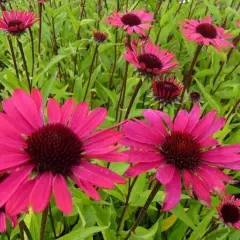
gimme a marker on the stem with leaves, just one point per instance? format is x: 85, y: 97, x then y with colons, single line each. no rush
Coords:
x: 40, y: 28
x: 91, y: 71
x: 144, y: 209
x: 25, y: 64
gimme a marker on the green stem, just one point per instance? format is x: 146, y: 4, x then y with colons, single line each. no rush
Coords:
x: 144, y: 209
x: 24, y: 227
x: 33, y: 61
x: 91, y: 72
x: 43, y: 223
x: 25, y: 64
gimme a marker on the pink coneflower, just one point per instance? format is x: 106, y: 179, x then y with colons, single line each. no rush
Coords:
x: 99, y: 37
x: 16, y: 22
x: 206, y: 33
x: 46, y: 154
x: 166, y: 90
x: 184, y: 148
x: 149, y: 59
x: 134, y: 21
x: 229, y: 211
x: 4, y: 216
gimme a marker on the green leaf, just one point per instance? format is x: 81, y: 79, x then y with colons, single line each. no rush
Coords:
x: 201, y: 228
x: 181, y: 214
x: 219, y: 234
x: 82, y: 233
x: 86, y: 22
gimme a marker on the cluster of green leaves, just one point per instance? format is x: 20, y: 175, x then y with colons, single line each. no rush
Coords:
x: 64, y: 73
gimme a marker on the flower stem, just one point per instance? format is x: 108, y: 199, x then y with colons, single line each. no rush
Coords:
x: 133, y: 98
x: 31, y: 36
x: 127, y: 202
x: 52, y: 222
x: 43, y: 223
x: 144, y: 209
x: 24, y: 227
x: 25, y: 64
x: 179, y: 8
x: 40, y: 28
x: 21, y: 232
x: 13, y: 56
x: 233, y: 109
x: 91, y: 71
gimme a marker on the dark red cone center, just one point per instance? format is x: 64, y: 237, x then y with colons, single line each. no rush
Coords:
x: 55, y: 148
x: 15, y: 23
x: 207, y: 30
x: 150, y: 60
x: 131, y: 19
x: 230, y: 213
x: 181, y: 150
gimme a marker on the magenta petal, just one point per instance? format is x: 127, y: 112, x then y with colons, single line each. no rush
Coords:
x: 27, y: 107
x: 136, y: 156
x: 187, y: 181
x: 53, y: 111
x: 13, y: 160
x: 9, y: 186
x: 154, y: 118
x: 173, y: 192
x: 141, y: 168
x: 62, y: 195
x: 93, y: 120
x: 3, y: 222
x: 20, y: 199
x: 200, y: 190
x: 203, y: 124
x: 103, y: 171
x: 37, y: 98
x: 66, y: 111
x: 87, y: 188
x: 41, y: 192
x: 193, y: 118
x: 181, y: 121
x: 111, y: 157
x: 165, y: 173
x: 86, y: 175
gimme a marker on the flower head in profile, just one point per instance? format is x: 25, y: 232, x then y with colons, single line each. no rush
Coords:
x: 149, y: 59
x: 229, y: 211
x: 4, y: 215
x: 181, y: 149
x: 205, y: 32
x: 99, y: 37
x: 195, y: 97
x: 16, y: 22
x: 45, y: 153
x: 133, y: 21
x: 166, y: 90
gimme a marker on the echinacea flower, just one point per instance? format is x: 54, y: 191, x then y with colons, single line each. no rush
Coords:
x: 183, y: 147
x: 133, y: 21
x: 4, y: 216
x: 229, y: 211
x: 99, y: 37
x: 204, y: 32
x: 16, y: 22
x: 149, y: 59
x: 44, y: 155
x: 166, y: 90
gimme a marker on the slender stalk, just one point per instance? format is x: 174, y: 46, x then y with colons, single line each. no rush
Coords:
x: 233, y: 109
x: 233, y: 70
x: 91, y: 71
x: 179, y: 8
x: 52, y: 222
x: 114, y: 61
x: 33, y: 60
x: 24, y: 64
x: 188, y: 76
x: 24, y: 227
x: 133, y: 98
x: 144, y: 209
x: 155, y: 15
x: 126, y: 203
x: 218, y: 73
x: 190, y: 10
x: 43, y: 223
x: 21, y: 232
x: 13, y: 56
x: 81, y: 16
x: 40, y: 28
